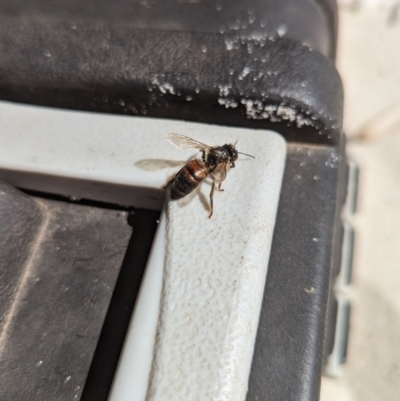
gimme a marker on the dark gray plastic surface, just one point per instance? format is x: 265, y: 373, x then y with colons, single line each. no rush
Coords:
x: 308, y: 21
x: 281, y: 85
x: 289, y: 349
x: 58, y: 264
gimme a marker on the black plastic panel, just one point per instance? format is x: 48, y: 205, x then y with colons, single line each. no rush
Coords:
x: 59, y: 263
x: 94, y: 57
x: 307, y: 21
x: 105, y: 360
x: 288, y: 355
x: 280, y: 84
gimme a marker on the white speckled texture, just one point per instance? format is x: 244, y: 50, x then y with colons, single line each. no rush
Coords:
x: 214, y: 276
x: 214, y: 269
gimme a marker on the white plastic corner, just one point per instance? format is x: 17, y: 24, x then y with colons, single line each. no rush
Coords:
x: 192, y: 333
x: 212, y: 281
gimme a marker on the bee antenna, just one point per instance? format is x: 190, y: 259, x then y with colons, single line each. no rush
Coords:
x: 246, y: 154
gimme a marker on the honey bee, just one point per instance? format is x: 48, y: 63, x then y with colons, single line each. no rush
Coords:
x: 215, y: 162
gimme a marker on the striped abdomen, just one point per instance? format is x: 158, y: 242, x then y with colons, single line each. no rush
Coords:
x: 188, y: 178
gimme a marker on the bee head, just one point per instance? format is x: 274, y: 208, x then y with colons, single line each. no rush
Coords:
x: 233, y: 154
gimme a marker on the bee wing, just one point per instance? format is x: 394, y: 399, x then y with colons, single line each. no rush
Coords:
x: 184, y: 142
x: 219, y: 174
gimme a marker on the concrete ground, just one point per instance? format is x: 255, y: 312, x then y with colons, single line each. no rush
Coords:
x: 369, y: 63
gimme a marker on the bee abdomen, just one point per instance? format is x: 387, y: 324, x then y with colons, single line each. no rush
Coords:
x: 188, y: 178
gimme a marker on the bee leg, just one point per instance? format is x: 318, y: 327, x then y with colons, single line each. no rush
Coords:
x: 211, y: 199
x: 169, y: 182
x: 219, y: 187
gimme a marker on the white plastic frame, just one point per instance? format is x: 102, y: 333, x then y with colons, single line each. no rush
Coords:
x: 194, y: 324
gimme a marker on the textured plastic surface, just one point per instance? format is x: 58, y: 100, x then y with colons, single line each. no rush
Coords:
x: 94, y: 156
x: 230, y: 250
x: 132, y: 376
x: 267, y: 82
x: 105, y: 360
x: 84, y: 155
x: 228, y: 17
x: 21, y: 218
x: 214, y: 280
x: 58, y: 265
x: 288, y: 355
x: 213, y: 283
